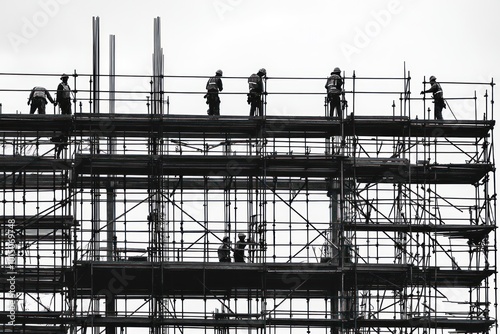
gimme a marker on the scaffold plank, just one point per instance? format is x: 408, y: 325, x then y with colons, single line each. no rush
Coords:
x: 22, y: 328
x: 41, y: 221
x: 472, y: 232
x: 34, y: 280
x: 190, y: 126
x: 196, y: 279
x: 458, y: 324
x: 18, y: 164
x: 364, y: 170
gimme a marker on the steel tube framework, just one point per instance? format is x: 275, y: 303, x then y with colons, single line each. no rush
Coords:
x: 369, y: 224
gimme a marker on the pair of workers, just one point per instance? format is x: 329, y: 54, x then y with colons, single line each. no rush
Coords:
x: 256, y: 90
x: 224, y: 251
x: 38, y: 100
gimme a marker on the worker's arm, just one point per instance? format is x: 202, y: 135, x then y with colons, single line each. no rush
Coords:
x: 341, y: 83
x: 219, y: 84
x: 59, y: 93
x: 49, y: 97
x: 31, y: 96
x: 434, y: 88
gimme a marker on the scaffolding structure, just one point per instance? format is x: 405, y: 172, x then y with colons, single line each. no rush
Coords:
x: 374, y: 223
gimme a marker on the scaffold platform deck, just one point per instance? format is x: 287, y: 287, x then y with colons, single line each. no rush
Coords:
x: 219, y: 279
x: 188, y: 126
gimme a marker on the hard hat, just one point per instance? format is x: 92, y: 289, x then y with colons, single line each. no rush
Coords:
x: 226, y: 239
x: 336, y: 70
x: 218, y: 72
x: 432, y: 78
x: 64, y: 76
x: 241, y: 235
x: 263, y: 71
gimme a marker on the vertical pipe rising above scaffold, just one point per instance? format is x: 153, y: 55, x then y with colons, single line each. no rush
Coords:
x: 157, y: 98
x: 110, y: 190
x: 95, y: 64
x: 112, y: 72
x: 110, y: 194
x: 94, y: 149
x: 155, y: 190
x: 95, y: 140
x: 94, y: 145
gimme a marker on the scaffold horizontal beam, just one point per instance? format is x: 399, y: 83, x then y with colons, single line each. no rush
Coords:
x: 186, y: 126
x: 365, y: 170
x: 217, y: 279
x: 474, y: 232
x: 34, y: 222
x: 35, y: 181
x: 40, y: 181
x: 22, y: 328
x: 34, y: 279
x: 458, y: 324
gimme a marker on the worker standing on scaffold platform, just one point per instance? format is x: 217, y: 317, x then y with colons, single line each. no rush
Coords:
x: 63, y: 97
x: 239, y: 251
x: 38, y: 99
x: 334, y: 91
x: 224, y: 251
x: 437, y: 94
x: 256, y: 90
x: 214, y: 86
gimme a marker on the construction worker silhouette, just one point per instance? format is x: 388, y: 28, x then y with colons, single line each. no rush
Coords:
x: 38, y: 99
x: 214, y: 86
x: 437, y: 94
x: 63, y: 97
x: 224, y: 251
x: 256, y: 90
x: 60, y: 142
x: 239, y: 251
x: 334, y: 91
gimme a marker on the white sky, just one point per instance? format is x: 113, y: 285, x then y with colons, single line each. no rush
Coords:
x: 453, y: 40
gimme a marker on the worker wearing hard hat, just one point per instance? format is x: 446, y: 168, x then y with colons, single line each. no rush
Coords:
x: 256, y: 90
x: 214, y: 86
x: 239, y: 251
x: 224, y: 251
x: 63, y: 97
x: 334, y: 91
x: 437, y: 94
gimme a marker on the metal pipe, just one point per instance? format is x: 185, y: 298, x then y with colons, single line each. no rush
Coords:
x: 110, y: 191
x: 95, y: 192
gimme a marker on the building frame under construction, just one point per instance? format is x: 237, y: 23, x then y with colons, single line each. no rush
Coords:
x: 371, y: 223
